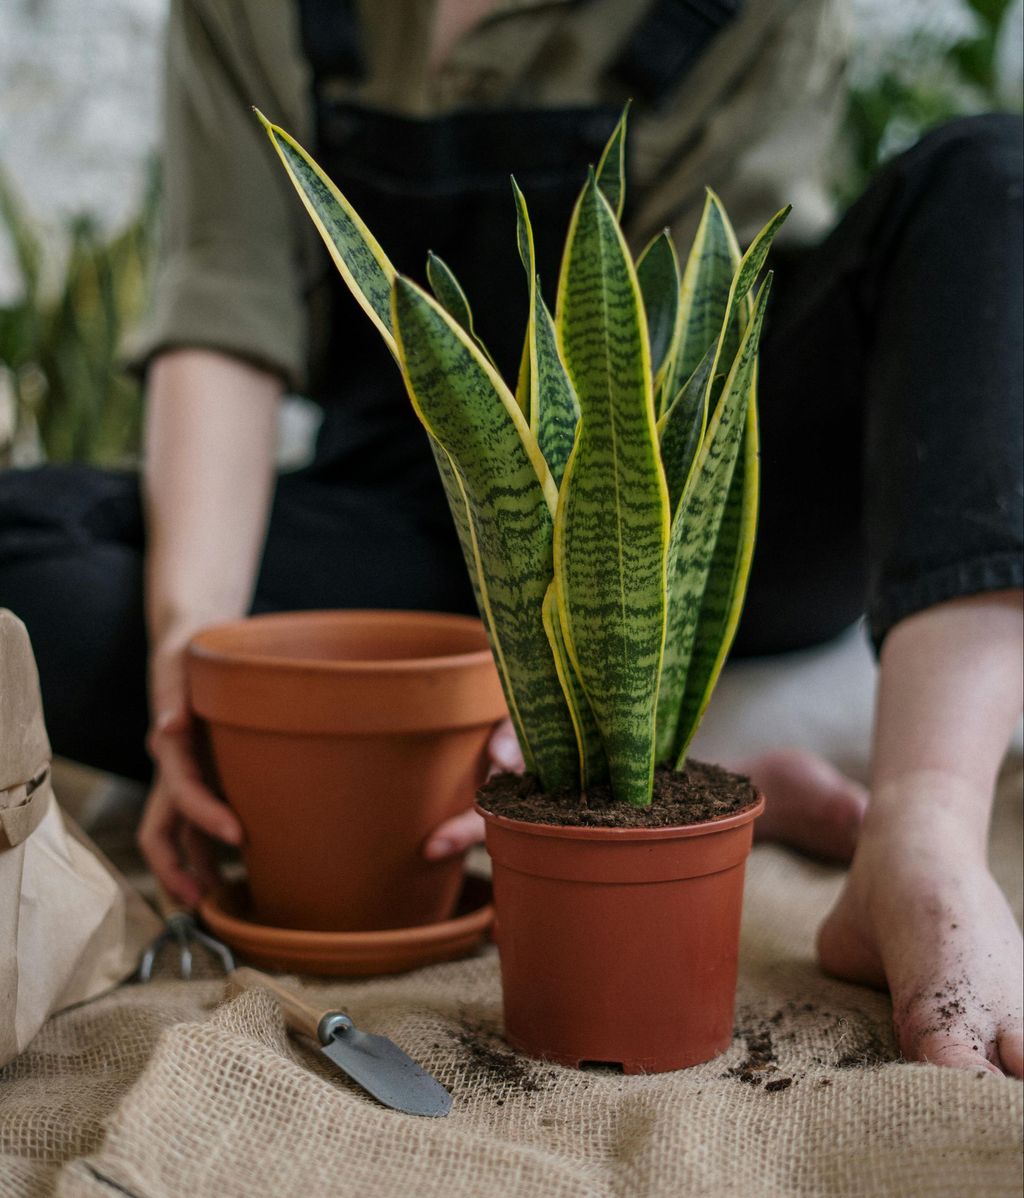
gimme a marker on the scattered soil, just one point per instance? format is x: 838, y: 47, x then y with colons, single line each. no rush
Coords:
x: 491, y: 1065
x: 760, y: 1059
x: 865, y: 1049
x: 861, y: 1046
x: 956, y: 999
x: 692, y: 795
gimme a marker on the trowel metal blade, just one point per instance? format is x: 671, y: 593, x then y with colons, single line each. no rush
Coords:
x: 385, y: 1071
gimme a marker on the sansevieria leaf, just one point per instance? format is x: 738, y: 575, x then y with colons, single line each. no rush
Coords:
x: 681, y: 430
x: 362, y: 263
x: 553, y: 407
x: 593, y: 761
x: 449, y: 294
x: 611, y: 529
x: 611, y: 167
x: 657, y: 269
x: 704, y: 294
x: 695, y: 532
x: 509, y: 495
x: 726, y: 586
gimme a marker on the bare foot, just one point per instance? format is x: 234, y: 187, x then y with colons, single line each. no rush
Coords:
x: 923, y: 917
x: 810, y: 805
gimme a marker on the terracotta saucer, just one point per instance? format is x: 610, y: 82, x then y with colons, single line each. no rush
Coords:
x: 349, y: 954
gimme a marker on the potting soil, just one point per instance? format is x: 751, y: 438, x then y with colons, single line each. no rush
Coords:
x: 171, y: 1091
x: 692, y: 795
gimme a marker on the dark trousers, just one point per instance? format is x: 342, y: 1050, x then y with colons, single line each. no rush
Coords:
x: 891, y: 402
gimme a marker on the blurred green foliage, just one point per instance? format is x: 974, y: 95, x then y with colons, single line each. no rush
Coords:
x: 921, y: 87
x: 59, y: 345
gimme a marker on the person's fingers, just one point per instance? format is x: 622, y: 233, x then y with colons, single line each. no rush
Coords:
x: 199, y: 857
x: 454, y: 836
x: 195, y: 802
x: 156, y: 838
x: 504, y: 749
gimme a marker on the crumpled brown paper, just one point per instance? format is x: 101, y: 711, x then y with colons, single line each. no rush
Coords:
x: 69, y: 926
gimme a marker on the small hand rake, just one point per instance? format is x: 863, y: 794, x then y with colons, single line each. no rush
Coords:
x: 373, y: 1062
x: 180, y: 928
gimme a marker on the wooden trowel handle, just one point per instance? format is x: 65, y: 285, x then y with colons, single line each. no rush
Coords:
x: 298, y: 1014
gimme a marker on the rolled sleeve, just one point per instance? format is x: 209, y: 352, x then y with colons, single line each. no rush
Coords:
x: 233, y: 254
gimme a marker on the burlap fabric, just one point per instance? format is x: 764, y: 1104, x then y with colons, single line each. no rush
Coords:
x: 166, y: 1091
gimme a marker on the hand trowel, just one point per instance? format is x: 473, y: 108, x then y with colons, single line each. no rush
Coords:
x: 373, y: 1062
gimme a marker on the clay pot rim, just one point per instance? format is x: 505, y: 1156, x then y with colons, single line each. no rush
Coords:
x: 200, y: 645
x: 673, y: 832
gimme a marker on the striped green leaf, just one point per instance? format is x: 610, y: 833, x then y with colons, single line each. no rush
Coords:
x: 694, y: 576
x: 509, y: 496
x: 611, y: 529
x: 362, y: 263
x: 523, y: 381
x: 704, y: 294
x: 449, y: 294
x: 657, y: 269
x: 611, y: 168
x: 726, y: 588
x: 593, y: 761
x: 681, y: 430
x: 553, y: 407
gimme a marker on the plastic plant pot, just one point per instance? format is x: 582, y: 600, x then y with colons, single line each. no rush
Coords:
x: 619, y: 946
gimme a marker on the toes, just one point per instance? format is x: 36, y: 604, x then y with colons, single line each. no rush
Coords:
x: 1011, y: 1052
x: 965, y: 1053
x: 926, y: 1032
x: 811, y: 805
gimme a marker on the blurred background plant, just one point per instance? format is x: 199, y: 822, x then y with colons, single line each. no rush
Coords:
x: 917, y: 63
x: 78, y: 125
x: 68, y: 396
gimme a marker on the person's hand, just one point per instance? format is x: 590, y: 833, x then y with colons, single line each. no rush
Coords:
x: 182, y: 813
x: 456, y: 835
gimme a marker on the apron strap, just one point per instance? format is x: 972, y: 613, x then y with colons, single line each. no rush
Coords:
x: 661, y: 50
x: 330, y: 38
x: 667, y: 43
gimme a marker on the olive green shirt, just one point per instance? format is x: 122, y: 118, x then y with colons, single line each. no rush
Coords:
x: 754, y: 119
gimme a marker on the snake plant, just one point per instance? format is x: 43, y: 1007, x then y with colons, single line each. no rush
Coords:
x: 606, y: 506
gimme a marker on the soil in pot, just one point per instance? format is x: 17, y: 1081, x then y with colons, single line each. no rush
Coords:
x: 697, y: 793
x: 619, y: 928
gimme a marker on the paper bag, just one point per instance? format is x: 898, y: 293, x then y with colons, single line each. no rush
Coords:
x: 70, y: 928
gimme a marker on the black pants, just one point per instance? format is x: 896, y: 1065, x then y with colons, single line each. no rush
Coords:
x: 891, y: 401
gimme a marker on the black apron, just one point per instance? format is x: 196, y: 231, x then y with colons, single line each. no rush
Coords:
x: 442, y: 184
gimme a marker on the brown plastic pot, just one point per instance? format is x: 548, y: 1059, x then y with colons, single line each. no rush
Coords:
x: 342, y: 740
x: 619, y: 945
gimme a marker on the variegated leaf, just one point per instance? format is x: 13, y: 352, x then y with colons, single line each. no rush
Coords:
x: 611, y: 528
x: 553, y: 406
x: 695, y: 532
x: 363, y: 264
x: 449, y: 294
x: 593, y: 761
x: 726, y: 588
x: 611, y: 168
x: 657, y: 269
x: 704, y: 294
x: 509, y: 495
x: 681, y: 430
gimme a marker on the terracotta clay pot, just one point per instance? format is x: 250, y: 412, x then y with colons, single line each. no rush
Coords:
x: 619, y: 945
x: 342, y: 739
